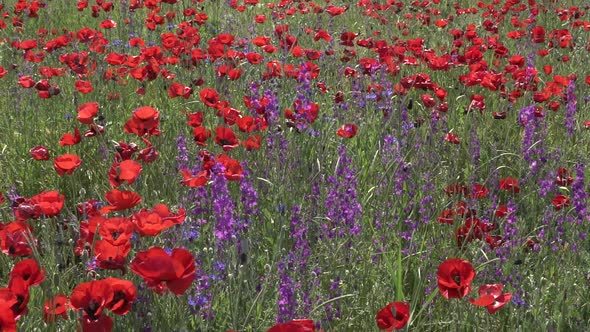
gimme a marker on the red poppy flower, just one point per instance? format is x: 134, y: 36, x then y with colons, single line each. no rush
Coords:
x: 454, y: 278
x: 538, y: 34
x: 102, y: 323
x: 151, y: 223
x: 83, y: 86
x: 479, y: 191
x: 15, y: 238
x: 233, y: 171
x: 124, y: 295
x: 509, y: 184
x: 92, y: 298
x: 347, y: 130
x: 560, y: 201
x: 452, y: 138
x: 69, y: 139
x: 49, y: 203
x: 39, y: 153
x: 116, y: 231
x: 87, y: 112
x: 295, y: 325
x: 195, y: 119
x: 446, y: 217
x: 252, y: 143
x: 29, y: 271
x: 501, y: 211
x: 209, y: 97
x: 177, y: 89
x: 428, y: 100
x: 201, y: 135
x: 148, y: 154
x: 125, y: 171
x: 226, y: 138
x: 7, y: 319
x: 66, y: 163
x: 20, y: 289
x: 472, y: 229
x: 120, y: 200
x: 111, y: 257
x: 194, y: 181
x: 491, y: 297
x: 56, y: 306
x: 161, y: 271
x: 456, y: 188
x: 145, y: 120
x: 394, y: 316
x: 564, y: 178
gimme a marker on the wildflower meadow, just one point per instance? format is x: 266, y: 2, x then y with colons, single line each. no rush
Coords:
x: 294, y: 165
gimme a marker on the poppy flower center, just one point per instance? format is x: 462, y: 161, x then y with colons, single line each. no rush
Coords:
x: 91, y: 309
x: 457, y: 278
x: 225, y: 142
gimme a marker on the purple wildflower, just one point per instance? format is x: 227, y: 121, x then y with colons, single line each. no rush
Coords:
x: 343, y: 209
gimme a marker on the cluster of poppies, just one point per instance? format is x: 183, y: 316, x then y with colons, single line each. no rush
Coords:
x: 454, y: 282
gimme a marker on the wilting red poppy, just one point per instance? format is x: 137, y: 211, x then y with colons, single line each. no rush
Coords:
x: 39, y: 153
x: 295, y: 325
x: 145, y: 120
x: 69, y: 139
x: 148, y: 154
x: 7, y: 319
x: 151, y: 223
x: 491, y: 297
x: 163, y: 272
x: 15, y: 238
x: 87, y: 112
x: 120, y: 200
x: 66, y: 163
x: 454, y: 278
x: 91, y: 298
x: 509, y: 184
x: 347, y: 130
x: 125, y: 171
x: 560, y: 201
x: 57, y: 306
x: 225, y: 137
x: 124, y: 295
x: 29, y: 271
x: 394, y: 316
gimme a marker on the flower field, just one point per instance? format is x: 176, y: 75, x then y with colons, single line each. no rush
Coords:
x: 300, y: 166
